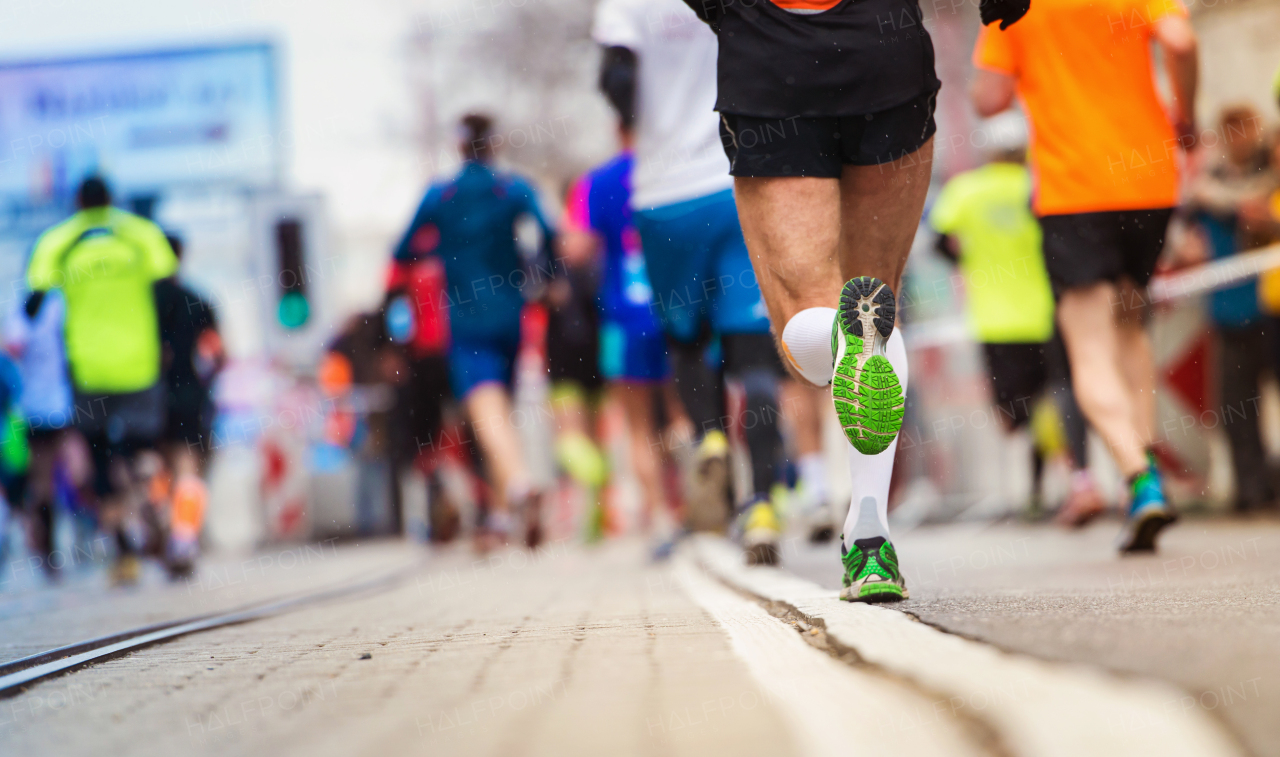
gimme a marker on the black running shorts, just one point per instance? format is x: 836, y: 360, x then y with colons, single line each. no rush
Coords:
x: 822, y: 147
x: 1084, y: 248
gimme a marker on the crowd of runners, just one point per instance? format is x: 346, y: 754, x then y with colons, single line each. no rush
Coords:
x: 106, y: 376
x: 754, y: 228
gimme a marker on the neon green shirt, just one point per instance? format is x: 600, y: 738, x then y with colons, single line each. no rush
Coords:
x: 988, y: 210
x: 104, y: 260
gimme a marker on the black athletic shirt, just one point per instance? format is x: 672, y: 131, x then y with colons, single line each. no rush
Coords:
x: 859, y: 57
x: 183, y: 316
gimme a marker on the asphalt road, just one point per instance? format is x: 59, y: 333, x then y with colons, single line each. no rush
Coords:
x: 1203, y: 614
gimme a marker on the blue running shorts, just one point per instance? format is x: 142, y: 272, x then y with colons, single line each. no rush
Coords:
x: 631, y: 353
x: 473, y: 362
x: 699, y: 268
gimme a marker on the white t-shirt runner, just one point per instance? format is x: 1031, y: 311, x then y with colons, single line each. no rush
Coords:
x: 678, y: 155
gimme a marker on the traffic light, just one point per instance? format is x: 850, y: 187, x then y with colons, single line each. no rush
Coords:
x: 294, y: 309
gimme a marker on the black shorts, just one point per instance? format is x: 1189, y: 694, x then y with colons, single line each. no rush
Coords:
x: 1084, y: 248
x: 136, y: 417
x: 822, y: 147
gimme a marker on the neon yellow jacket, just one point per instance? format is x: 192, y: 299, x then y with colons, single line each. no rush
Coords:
x: 104, y: 260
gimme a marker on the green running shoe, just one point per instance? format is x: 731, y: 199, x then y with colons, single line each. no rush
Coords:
x: 1150, y: 511
x: 871, y: 572
x: 866, y: 391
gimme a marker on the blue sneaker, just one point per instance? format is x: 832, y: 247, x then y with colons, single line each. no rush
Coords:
x: 1149, y: 511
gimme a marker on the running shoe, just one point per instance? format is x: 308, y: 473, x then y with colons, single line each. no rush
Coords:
x: 709, y: 503
x: 126, y: 570
x: 871, y: 572
x: 867, y: 394
x: 1083, y: 504
x: 1149, y: 511
x: 531, y: 512
x: 494, y: 531
x: 578, y: 456
x: 814, y: 512
x: 665, y: 546
x: 761, y: 532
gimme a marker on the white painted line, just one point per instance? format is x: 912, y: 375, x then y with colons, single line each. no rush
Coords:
x: 1038, y: 709
x: 832, y: 708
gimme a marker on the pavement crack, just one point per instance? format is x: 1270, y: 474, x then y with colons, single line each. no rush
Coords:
x: 813, y: 630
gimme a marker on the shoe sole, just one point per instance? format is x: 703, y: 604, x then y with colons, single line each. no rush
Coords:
x: 875, y: 591
x: 865, y: 389
x: 1149, y: 525
x: 533, y: 523
x: 821, y: 534
x: 765, y: 553
x: 708, y: 508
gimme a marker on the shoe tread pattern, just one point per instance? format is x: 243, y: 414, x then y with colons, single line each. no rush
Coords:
x: 868, y: 400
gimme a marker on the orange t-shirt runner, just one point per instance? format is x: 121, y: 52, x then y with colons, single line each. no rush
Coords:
x: 1100, y: 138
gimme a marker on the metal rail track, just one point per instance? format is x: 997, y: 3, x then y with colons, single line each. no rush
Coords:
x: 17, y: 675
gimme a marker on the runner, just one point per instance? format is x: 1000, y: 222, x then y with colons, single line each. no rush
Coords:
x: 633, y: 352
x: 191, y: 356
x: 658, y: 69
x: 470, y: 221
x: 828, y: 125
x: 45, y: 403
x: 577, y: 387
x: 1105, y: 158
x: 417, y: 323
x: 984, y: 221
x: 105, y: 260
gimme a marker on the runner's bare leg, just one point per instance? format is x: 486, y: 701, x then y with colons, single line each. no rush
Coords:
x: 489, y: 407
x: 1105, y: 395
x: 792, y: 229
x: 1137, y: 363
x: 807, y: 237
x: 880, y: 208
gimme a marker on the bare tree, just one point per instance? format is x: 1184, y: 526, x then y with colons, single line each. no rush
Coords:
x: 529, y: 63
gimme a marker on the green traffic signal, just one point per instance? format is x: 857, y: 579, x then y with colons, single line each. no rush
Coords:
x: 294, y: 310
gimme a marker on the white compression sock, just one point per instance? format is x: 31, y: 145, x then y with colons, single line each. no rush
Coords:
x: 806, y: 343
x: 869, y: 509
x: 812, y: 472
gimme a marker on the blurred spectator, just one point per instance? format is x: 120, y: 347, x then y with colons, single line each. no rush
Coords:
x: 191, y: 356
x: 45, y: 405
x: 985, y: 222
x: 105, y: 260
x: 1229, y: 203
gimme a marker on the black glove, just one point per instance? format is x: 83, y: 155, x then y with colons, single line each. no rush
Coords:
x: 1004, y: 11
x: 707, y: 10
